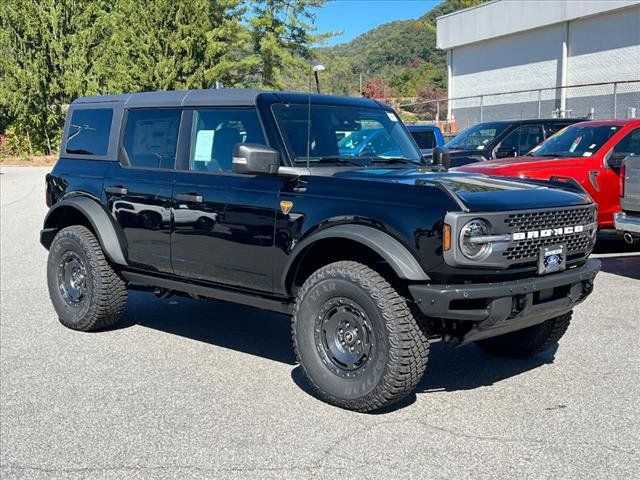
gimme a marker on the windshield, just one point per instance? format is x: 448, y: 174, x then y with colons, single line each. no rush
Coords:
x: 477, y: 137
x: 344, y: 134
x: 576, y: 141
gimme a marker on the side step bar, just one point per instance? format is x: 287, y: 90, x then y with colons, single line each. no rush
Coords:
x: 216, y: 293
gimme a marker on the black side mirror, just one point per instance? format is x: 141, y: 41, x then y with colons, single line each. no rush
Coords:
x: 615, y: 159
x: 254, y: 158
x: 442, y: 157
x: 506, y: 152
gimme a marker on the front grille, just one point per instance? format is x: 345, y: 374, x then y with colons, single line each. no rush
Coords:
x: 577, y: 244
x: 550, y: 219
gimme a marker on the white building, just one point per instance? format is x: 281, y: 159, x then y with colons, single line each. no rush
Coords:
x: 525, y: 45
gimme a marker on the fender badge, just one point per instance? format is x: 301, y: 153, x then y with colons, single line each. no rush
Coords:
x: 286, y: 206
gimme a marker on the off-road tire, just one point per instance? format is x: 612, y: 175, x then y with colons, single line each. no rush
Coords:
x: 400, y: 348
x: 529, y: 341
x: 106, y: 292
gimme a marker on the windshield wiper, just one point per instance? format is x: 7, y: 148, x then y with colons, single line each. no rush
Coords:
x: 333, y: 159
x: 392, y: 160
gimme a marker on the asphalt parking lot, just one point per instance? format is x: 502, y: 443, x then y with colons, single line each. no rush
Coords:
x: 185, y: 389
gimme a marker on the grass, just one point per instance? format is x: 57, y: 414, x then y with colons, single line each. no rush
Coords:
x: 35, y: 161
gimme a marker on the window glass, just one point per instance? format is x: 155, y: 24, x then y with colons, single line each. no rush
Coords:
x: 425, y: 139
x: 477, y: 137
x: 344, y: 134
x: 576, y: 141
x: 630, y: 144
x: 214, y: 134
x: 523, y: 139
x: 89, y: 131
x: 151, y: 138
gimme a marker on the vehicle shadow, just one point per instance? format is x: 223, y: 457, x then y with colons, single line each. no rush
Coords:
x: 624, y: 265
x: 236, y: 327
x: 268, y: 335
x: 453, y: 368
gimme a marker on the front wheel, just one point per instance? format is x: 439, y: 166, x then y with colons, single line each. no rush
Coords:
x: 86, y: 292
x: 528, y: 341
x: 355, y: 338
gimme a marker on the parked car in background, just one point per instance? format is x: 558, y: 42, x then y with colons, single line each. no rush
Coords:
x: 501, y: 139
x: 628, y: 220
x: 590, y: 153
x: 427, y: 137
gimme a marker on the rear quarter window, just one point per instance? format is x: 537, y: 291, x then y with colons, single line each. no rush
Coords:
x: 89, y: 131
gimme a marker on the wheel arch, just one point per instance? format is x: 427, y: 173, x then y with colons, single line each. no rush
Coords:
x: 367, y: 239
x: 83, y: 210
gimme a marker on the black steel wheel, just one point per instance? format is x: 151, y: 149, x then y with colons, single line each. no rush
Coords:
x: 344, y: 337
x: 86, y: 292
x: 356, y: 339
x: 72, y: 279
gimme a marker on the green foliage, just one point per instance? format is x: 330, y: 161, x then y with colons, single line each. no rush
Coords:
x: 53, y: 51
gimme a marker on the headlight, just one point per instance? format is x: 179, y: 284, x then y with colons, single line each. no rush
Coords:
x: 475, y: 228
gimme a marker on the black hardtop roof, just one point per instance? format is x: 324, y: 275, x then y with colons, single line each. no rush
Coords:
x: 221, y: 97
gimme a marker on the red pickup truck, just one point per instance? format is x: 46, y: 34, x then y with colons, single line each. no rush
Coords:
x: 591, y: 153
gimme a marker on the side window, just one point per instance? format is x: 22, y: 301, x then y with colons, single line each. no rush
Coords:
x: 523, y: 139
x: 89, y: 131
x: 630, y: 144
x: 425, y: 139
x: 151, y: 138
x: 216, y: 131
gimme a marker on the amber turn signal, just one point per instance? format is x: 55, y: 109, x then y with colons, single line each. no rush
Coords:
x: 446, y: 237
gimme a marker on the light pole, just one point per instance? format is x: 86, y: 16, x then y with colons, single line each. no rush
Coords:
x: 318, y: 68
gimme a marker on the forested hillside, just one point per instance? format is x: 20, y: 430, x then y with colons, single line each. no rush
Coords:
x: 396, y: 59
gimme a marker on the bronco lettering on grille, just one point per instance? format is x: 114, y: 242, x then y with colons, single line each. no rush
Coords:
x: 551, y: 232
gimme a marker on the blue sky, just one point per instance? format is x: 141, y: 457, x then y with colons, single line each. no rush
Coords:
x: 354, y: 17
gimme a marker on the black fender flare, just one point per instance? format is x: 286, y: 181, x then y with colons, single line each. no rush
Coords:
x: 399, y: 258
x: 112, y: 240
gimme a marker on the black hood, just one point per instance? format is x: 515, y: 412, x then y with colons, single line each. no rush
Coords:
x: 480, y: 193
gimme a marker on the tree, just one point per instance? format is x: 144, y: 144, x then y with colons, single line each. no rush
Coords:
x: 172, y: 44
x: 281, y: 40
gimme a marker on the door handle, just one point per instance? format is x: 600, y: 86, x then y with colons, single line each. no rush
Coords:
x: 117, y: 190
x: 189, y: 197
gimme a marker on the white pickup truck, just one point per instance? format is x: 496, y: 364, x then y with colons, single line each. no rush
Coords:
x: 628, y: 221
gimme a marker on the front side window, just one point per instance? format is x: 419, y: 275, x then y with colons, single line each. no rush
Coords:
x: 214, y: 134
x: 425, y: 139
x: 576, y: 141
x: 89, y: 131
x: 477, y: 137
x: 523, y: 139
x: 344, y: 134
x: 151, y: 138
x: 630, y: 144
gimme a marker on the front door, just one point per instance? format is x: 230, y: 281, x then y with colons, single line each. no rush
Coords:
x: 139, y: 188
x: 608, y: 201
x: 224, y: 222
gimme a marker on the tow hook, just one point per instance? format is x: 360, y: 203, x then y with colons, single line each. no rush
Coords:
x: 587, y: 287
x: 519, y: 304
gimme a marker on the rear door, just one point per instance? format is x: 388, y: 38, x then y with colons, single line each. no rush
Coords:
x: 224, y: 222
x: 139, y: 187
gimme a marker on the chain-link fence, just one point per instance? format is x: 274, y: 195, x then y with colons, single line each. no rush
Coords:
x: 594, y: 100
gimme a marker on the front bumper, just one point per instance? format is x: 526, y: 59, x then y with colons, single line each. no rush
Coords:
x: 626, y: 222
x: 502, y: 307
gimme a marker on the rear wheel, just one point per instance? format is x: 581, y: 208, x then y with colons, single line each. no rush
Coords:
x: 528, y: 341
x: 356, y: 339
x: 86, y: 292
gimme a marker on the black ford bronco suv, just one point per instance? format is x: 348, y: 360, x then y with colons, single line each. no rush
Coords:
x: 318, y: 207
